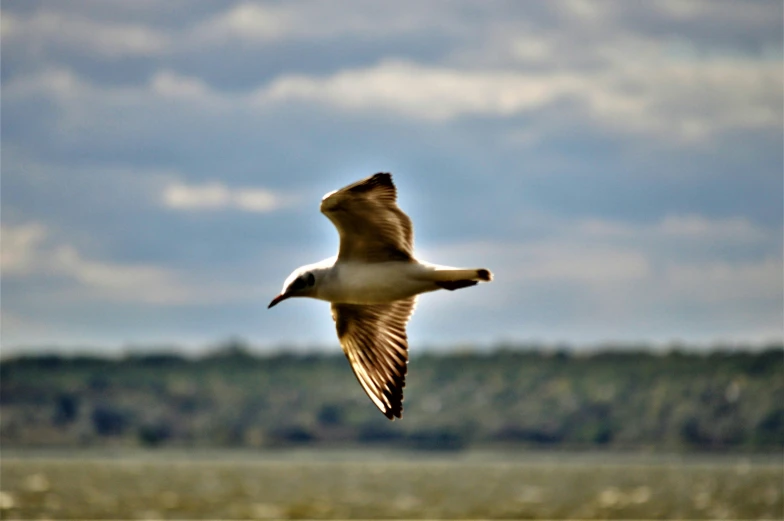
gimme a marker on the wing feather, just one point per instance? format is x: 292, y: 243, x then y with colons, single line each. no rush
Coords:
x: 373, y: 337
x: 371, y: 226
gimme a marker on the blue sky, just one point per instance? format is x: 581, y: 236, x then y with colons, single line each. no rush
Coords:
x: 618, y: 165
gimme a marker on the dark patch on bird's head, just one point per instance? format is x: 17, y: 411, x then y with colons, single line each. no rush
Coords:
x: 301, y: 283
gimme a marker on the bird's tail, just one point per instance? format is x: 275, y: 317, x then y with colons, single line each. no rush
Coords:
x: 457, y: 278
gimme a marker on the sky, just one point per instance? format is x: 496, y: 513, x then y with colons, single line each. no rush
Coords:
x: 617, y: 165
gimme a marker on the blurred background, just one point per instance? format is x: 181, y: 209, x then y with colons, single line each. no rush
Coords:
x: 618, y: 165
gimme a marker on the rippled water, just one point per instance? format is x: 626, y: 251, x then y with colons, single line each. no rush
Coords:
x: 319, y: 484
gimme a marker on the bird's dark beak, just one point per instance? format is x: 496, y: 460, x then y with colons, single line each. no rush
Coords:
x: 280, y: 298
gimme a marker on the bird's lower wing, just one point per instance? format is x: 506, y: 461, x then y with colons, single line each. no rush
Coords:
x: 373, y: 337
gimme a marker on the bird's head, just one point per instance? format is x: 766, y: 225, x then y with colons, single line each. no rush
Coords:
x: 301, y: 283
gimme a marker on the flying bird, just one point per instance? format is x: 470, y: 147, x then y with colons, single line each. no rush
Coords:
x: 373, y: 285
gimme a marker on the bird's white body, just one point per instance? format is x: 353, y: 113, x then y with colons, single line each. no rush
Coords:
x: 381, y: 282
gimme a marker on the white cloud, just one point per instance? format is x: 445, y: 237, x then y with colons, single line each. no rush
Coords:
x: 723, y: 282
x: 115, y: 281
x: 247, y: 21
x: 622, y: 268
x: 81, y: 95
x: 127, y: 82
x: 18, y: 245
x: 600, y: 265
x: 257, y: 200
x: 531, y: 48
x: 58, y: 83
x: 420, y: 92
x: 169, y: 84
x: 577, y: 287
x: 217, y: 196
x: 30, y: 250
x: 732, y: 230
x: 260, y: 23
x: 557, y: 260
x: 208, y: 196
x: 684, y: 102
x: 97, y: 29
x: 27, y: 251
x: 737, y: 229
x: 53, y: 29
x: 18, y: 326
x: 749, y: 14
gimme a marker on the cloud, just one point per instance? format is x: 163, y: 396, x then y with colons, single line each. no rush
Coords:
x: 18, y: 245
x: 723, y: 282
x: 208, y: 196
x: 29, y: 251
x: 682, y: 102
x: 620, y: 260
x: 168, y: 84
x: 217, y: 196
x: 69, y: 88
x: 148, y: 27
x: 417, y: 91
x: 57, y: 83
x: 598, y: 145
x: 115, y: 281
x: 596, y: 266
x: 690, y: 101
x: 56, y: 30
x: 736, y: 230
x: 248, y: 21
x: 261, y: 23
x: 588, y: 281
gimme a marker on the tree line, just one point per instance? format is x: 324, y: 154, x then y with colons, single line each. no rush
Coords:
x: 512, y: 397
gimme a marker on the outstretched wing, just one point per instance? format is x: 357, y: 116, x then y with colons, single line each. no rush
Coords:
x: 373, y: 337
x: 371, y: 226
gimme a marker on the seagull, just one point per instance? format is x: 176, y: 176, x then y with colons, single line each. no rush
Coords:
x: 373, y: 285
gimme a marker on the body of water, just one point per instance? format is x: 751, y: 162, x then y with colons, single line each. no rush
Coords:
x: 401, y: 485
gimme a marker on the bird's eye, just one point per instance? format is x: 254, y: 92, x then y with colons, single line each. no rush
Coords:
x: 298, y: 284
x: 311, y: 279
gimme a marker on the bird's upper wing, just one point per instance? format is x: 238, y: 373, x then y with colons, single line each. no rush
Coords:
x: 371, y: 226
x: 373, y: 337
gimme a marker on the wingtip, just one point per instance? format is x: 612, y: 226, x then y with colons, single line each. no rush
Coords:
x: 382, y: 177
x: 391, y: 414
x: 381, y: 180
x: 394, y: 397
